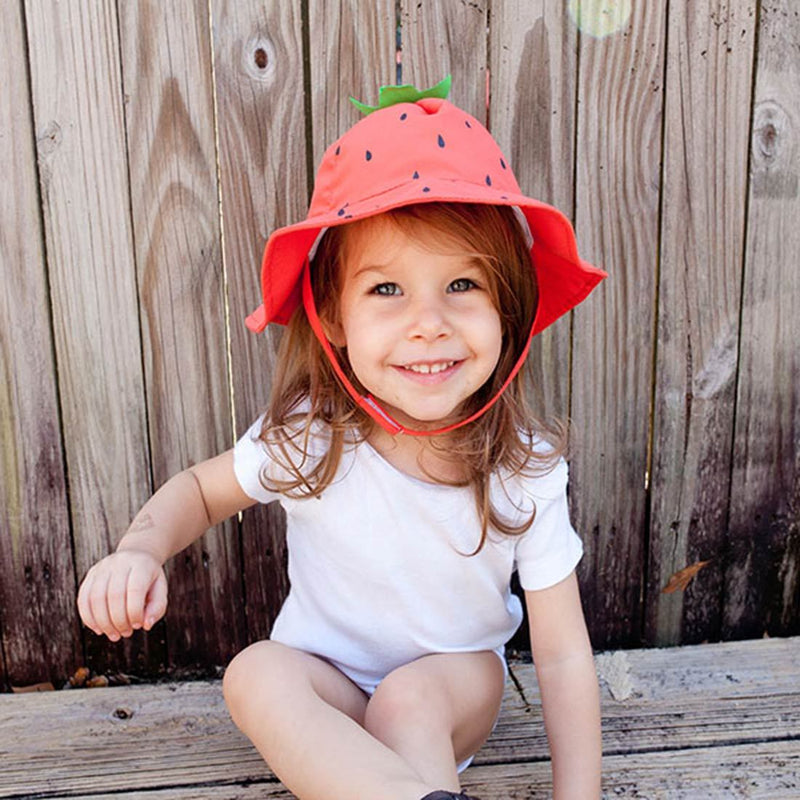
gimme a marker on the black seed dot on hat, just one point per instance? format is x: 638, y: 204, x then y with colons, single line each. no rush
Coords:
x: 426, y: 189
x: 466, y: 122
x: 441, y: 141
x: 338, y: 150
x: 502, y: 163
x: 504, y: 197
x: 369, y: 155
x: 348, y: 216
x: 488, y: 180
x: 403, y: 115
x: 340, y: 213
x: 415, y: 176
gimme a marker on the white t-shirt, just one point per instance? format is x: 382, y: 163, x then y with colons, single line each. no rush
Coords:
x: 379, y: 567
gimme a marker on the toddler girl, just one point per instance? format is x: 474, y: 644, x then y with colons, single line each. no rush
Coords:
x: 414, y: 477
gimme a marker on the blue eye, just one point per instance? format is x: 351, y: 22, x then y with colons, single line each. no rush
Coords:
x: 462, y: 285
x: 387, y: 289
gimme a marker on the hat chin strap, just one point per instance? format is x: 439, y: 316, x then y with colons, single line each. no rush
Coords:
x: 367, y: 403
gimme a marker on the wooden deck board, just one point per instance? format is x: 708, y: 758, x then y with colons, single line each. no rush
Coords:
x: 708, y: 721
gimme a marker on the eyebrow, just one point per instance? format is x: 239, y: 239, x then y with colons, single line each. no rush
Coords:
x: 369, y: 268
x: 471, y: 262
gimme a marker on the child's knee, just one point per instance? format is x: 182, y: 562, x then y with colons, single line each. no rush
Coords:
x: 406, y: 698
x: 248, y: 673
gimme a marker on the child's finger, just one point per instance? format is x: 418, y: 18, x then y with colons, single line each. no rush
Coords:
x: 84, y: 608
x: 116, y: 596
x: 98, y: 604
x: 156, y: 605
x: 139, y: 583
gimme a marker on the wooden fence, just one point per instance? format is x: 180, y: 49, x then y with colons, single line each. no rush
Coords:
x: 148, y: 149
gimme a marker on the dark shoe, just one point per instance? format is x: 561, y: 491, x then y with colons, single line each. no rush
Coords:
x: 442, y: 795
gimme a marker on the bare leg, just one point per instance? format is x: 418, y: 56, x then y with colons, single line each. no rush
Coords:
x: 305, y: 717
x: 437, y: 711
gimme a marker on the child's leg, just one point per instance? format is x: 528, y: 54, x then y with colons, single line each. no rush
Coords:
x: 305, y: 717
x: 437, y: 711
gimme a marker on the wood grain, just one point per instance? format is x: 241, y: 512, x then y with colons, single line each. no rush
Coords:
x: 37, y: 573
x: 688, y: 709
x: 118, y: 271
x: 757, y: 772
x: 166, y: 57
x: 80, y: 135
x: 532, y: 116
x: 258, y: 72
x: 762, y: 578
x: 708, y: 93
x: 353, y: 54
x: 439, y: 39
x: 620, y: 98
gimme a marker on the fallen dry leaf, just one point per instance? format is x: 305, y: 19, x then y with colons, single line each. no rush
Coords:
x: 96, y: 682
x: 680, y: 580
x: 79, y: 678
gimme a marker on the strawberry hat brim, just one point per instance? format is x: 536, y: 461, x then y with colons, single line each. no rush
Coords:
x: 563, y: 278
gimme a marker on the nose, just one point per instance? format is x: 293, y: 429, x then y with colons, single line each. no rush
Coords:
x: 428, y: 321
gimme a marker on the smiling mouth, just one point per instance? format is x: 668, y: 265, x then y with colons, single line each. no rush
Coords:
x: 429, y: 368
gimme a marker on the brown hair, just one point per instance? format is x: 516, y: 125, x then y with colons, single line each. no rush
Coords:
x: 501, y: 438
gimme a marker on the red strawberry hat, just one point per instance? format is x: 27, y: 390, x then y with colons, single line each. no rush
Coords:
x: 416, y: 147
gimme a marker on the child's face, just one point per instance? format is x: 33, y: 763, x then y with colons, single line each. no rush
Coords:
x: 421, y: 330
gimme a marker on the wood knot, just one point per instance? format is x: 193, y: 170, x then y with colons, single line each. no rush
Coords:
x: 122, y: 713
x: 258, y: 58
x: 770, y: 121
x: 775, y: 174
x: 50, y: 138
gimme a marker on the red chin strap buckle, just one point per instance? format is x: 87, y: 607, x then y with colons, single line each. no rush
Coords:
x: 368, y: 403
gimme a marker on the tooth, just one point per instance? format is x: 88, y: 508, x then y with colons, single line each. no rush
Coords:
x: 431, y: 369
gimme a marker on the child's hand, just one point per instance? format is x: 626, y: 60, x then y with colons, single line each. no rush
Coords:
x: 122, y: 593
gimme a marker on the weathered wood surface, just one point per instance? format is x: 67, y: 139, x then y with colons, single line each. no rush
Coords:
x: 357, y: 43
x: 73, y: 53
x: 35, y: 570
x: 167, y: 71
x: 149, y: 151
x: 708, y: 721
x: 534, y: 64
x: 439, y: 39
x: 709, y: 73
x: 763, y: 565
x: 618, y: 156
x: 259, y: 88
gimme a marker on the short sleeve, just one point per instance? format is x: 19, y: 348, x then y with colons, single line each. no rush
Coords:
x: 550, y: 549
x: 249, y: 460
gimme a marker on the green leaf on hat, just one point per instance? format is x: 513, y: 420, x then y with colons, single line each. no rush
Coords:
x: 392, y: 95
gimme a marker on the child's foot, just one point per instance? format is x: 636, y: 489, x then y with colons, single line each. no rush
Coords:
x: 442, y: 795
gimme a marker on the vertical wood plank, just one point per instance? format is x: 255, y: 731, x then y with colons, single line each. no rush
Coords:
x: 532, y: 115
x: 167, y: 69
x: 75, y: 76
x: 709, y: 79
x: 447, y: 38
x: 617, y: 199
x: 762, y: 580
x: 258, y: 57
x: 37, y: 574
x: 352, y: 54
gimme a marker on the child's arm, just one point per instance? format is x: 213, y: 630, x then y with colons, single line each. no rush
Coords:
x: 127, y: 590
x: 565, y: 669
